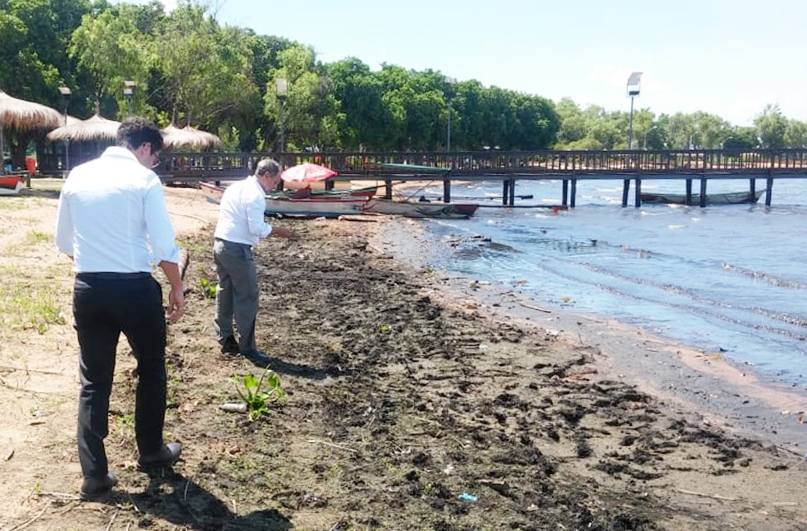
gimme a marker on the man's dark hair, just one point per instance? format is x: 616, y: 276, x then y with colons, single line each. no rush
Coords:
x: 135, y: 130
x: 269, y: 166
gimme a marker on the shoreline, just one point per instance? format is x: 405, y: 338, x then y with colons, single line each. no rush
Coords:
x: 698, y: 383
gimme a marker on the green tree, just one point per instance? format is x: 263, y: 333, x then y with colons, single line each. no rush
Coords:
x: 771, y: 127
x: 110, y: 48
x: 311, y: 112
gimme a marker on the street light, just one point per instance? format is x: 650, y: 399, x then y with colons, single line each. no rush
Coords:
x: 633, y: 90
x: 65, y: 92
x: 128, y: 93
x: 449, y: 94
x: 282, y: 93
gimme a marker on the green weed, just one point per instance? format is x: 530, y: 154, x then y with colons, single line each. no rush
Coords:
x: 34, y: 236
x: 208, y: 288
x: 259, y: 394
x: 30, y: 307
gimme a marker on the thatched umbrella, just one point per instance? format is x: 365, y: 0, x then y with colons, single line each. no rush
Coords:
x: 95, y: 128
x: 24, y: 115
x: 188, y: 136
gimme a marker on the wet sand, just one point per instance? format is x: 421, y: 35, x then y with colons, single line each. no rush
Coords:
x: 701, y: 384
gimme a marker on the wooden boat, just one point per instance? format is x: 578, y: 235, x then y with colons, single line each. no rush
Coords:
x: 729, y: 198
x: 11, y: 184
x: 420, y: 209
x: 319, y: 207
x: 305, y: 193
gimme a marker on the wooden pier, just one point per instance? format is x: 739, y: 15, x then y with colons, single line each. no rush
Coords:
x: 568, y: 167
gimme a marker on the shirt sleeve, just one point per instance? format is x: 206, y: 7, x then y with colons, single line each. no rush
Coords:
x: 158, y: 223
x: 64, y: 225
x: 256, y: 207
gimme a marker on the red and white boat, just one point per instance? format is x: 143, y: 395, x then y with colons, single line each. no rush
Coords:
x: 11, y: 184
x: 315, y: 206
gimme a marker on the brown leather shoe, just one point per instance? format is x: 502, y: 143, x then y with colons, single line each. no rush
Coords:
x: 94, y: 488
x: 165, y: 457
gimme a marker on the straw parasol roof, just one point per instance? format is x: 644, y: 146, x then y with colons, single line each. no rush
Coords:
x: 189, y: 137
x: 95, y: 128
x: 21, y: 114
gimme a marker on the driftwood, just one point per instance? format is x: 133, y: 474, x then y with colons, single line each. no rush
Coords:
x: 184, y: 262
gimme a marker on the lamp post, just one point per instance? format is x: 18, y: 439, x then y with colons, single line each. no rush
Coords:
x: 128, y: 93
x: 449, y: 95
x: 634, y: 81
x: 282, y: 93
x: 65, y: 92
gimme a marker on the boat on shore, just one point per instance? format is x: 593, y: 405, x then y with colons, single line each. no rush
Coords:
x: 330, y: 206
x: 11, y: 184
x: 728, y: 198
x: 421, y: 209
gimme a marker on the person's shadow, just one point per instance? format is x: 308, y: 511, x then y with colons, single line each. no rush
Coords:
x: 176, y: 499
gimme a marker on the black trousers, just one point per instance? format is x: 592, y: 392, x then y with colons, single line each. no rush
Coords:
x: 104, y: 305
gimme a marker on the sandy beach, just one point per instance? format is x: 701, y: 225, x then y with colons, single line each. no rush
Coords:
x: 416, y: 400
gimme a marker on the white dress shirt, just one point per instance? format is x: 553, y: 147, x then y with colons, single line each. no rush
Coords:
x: 112, y: 216
x: 241, y: 213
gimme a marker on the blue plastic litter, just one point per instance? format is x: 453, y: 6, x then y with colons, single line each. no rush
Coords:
x: 467, y: 497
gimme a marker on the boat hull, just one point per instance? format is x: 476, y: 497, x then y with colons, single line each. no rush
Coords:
x: 421, y: 209
x: 730, y: 198
x: 11, y: 184
x: 327, y: 207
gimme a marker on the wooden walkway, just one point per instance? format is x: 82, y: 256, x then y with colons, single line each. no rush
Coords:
x: 569, y: 167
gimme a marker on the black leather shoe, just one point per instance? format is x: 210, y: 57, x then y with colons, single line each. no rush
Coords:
x: 258, y: 358
x: 166, y: 457
x: 94, y: 488
x: 229, y: 346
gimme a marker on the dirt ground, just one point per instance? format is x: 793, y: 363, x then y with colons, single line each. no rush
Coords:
x: 406, y: 409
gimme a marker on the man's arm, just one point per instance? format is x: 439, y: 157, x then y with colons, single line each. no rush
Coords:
x: 176, y: 297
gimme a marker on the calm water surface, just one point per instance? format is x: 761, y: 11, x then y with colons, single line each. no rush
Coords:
x: 728, y: 279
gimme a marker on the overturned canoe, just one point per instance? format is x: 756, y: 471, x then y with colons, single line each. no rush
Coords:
x: 729, y: 198
x: 419, y: 209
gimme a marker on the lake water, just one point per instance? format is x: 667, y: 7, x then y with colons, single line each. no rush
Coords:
x: 728, y: 279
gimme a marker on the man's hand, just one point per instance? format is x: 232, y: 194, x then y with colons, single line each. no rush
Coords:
x: 176, y: 304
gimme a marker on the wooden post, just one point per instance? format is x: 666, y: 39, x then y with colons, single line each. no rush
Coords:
x: 565, y: 198
x: 574, y: 191
x: 703, y: 192
x: 752, y: 186
x: 505, y: 187
x: 388, y: 189
x: 769, y: 188
x: 637, y: 201
x: 625, y: 191
x: 688, y: 200
x: 512, y: 199
x: 446, y: 189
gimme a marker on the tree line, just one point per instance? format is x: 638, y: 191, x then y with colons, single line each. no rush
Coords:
x: 185, y: 68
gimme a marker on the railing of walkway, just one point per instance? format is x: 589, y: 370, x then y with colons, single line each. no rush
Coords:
x: 210, y: 166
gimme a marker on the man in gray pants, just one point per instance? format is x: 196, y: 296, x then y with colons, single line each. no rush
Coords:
x: 240, y: 226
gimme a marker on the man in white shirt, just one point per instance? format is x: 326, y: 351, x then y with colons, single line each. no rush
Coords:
x: 240, y: 226
x: 112, y: 221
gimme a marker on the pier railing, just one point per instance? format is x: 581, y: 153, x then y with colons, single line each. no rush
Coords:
x: 181, y: 167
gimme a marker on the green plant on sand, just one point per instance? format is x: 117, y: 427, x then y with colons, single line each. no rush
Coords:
x: 259, y: 394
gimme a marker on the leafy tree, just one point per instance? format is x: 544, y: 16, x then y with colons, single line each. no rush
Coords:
x: 110, y: 49
x: 360, y: 96
x: 311, y: 112
x: 771, y: 126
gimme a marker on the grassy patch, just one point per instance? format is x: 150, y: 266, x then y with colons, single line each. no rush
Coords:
x: 32, y: 237
x: 30, y: 306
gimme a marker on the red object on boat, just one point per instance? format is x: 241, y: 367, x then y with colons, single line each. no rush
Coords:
x: 306, y: 173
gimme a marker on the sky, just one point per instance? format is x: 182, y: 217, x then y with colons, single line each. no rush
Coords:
x: 730, y: 58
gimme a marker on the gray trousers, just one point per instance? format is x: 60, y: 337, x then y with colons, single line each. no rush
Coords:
x: 236, y: 294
